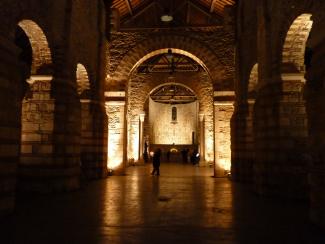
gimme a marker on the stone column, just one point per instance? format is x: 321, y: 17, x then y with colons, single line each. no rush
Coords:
x: 10, y: 85
x: 93, y: 156
x: 50, y: 158
x: 202, y: 141
x: 249, y: 154
x: 223, y: 110
x: 280, y: 130
x: 141, y: 143
x: 315, y: 157
x: 115, y: 108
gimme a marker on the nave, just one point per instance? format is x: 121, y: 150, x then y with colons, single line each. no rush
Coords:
x: 183, y: 205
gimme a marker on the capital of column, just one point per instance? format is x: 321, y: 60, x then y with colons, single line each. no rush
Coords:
x: 224, y: 98
x: 224, y: 103
x: 201, y: 117
x: 142, y: 116
x: 109, y: 104
x: 35, y: 78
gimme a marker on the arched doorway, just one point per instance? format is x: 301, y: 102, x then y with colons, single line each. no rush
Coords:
x: 83, y: 89
x: 168, y: 67
x: 177, y: 131
x: 129, y: 88
x: 37, y: 117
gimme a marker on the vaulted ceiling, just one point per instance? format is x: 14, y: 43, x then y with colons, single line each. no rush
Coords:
x: 144, y: 13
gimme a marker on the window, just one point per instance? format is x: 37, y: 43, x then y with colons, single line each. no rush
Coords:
x: 174, y: 114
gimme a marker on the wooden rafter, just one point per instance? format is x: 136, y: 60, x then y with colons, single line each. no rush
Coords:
x: 141, y: 11
x: 201, y: 8
x: 128, y: 4
x: 188, y: 13
x: 212, y: 6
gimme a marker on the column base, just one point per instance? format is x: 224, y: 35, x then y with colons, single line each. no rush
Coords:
x: 317, y: 197
x: 48, y: 180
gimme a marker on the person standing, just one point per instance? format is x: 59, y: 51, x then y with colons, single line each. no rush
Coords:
x: 156, y: 161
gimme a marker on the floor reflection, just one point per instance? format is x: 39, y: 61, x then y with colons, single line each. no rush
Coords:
x: 183, y: 205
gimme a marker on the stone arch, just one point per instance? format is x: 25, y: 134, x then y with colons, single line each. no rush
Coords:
x: 191, y: 47
x: 41, y: 56
x: 171, y: 83
x: 38, y: 106
x: 253, y: 80
x: 86, y: 121
x: 83, y: 82
x: 293, y: 54
x: 139, y: 87
x: 173, y: 111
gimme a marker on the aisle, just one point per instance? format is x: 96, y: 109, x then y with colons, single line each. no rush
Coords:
x: 183, y: 205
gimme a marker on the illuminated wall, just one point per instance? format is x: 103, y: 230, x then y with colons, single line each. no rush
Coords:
x: 168, y: 130
x: 115, y: 113
x: 223, y: 114
x: 133, y: 135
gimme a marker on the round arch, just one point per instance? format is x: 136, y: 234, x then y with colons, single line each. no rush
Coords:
x: 41, y: 52
x: 293, y: 53
x: 140, y: 86
x: 171, y: 83
x: 180, y: 44
x: 82, y: 78
x: 253, y: 80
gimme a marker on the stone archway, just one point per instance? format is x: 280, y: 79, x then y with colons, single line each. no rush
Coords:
x: 243, y: 155
x: 139, y: 86
x: 93, y: 152
x: 191, y: 47
x: 280, y: 120
x: 121, y: 77
x: 177, y: 130
x: 37, y: 105
x: 294, y: 48
x: 83, y: 90
x: 42, y: 56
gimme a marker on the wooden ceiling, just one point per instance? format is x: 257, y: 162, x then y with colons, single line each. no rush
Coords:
x: 141, y: 13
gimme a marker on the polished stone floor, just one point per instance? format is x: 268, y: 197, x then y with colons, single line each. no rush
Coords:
x: 183, y: 205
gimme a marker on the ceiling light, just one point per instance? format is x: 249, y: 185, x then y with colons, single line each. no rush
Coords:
x: 166, y: 18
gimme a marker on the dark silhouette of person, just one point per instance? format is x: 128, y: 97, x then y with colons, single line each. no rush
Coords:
x: 145, y: 153
x: 168, y: 155
x: 156, y: 161
x: 184, y: 155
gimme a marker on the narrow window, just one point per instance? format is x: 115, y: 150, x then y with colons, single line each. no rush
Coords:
x: 174, y: 114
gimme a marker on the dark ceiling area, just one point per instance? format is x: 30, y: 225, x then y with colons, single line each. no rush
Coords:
x: 148, y: 13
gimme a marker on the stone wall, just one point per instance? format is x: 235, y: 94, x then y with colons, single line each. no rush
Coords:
x: 9, y: 124
x: 116, y: 135
x: 223, y: 114
x: 246, y: 59
x: 284, y: 141
x: 214, y: 47
x: 166, y: 131
x: 51, y: 117
x: 142, y: 84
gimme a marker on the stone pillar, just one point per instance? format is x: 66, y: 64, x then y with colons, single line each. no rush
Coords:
x: 115, y: 108
x: 10, y: 84
x: 315, y: 105
x: 242, y: 145
x: 223, y: 111
x: 93, y: 129
x: 280, y: 138
x: 50, y: 152
x: 202, y: 141
x: 141, y: 142
x: 249, y: 155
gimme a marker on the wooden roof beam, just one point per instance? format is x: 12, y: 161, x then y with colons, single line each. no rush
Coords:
x: 203, y: 9
x: 212, y: 6
x: 141, y: 11
x: 128, y: 4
